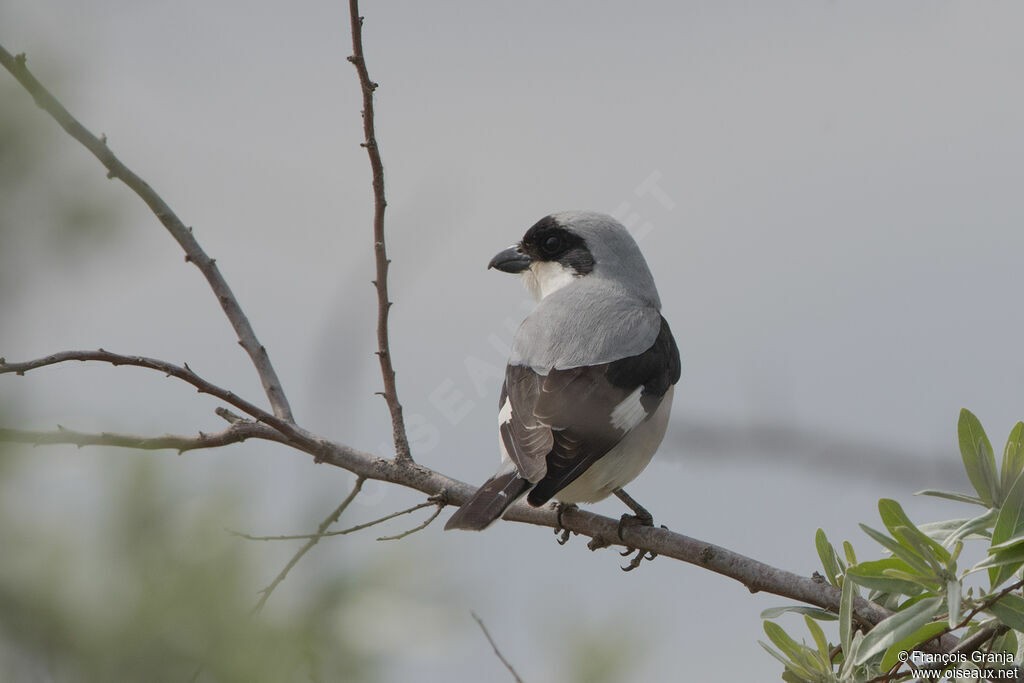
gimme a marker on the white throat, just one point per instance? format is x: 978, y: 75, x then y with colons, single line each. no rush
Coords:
x: 544, y: 278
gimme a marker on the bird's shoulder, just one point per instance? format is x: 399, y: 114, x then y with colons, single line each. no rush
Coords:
x: 584, y: 325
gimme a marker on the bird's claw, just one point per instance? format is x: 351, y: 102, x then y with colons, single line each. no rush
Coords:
x: 628, y: 520
x: 560, y: 531
x: 640, y: 556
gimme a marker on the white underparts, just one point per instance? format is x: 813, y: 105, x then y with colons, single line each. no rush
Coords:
x: 630, y: 412
x: 622, y: 463
x: 543, y: 278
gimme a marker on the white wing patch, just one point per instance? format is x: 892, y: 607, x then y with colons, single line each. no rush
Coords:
x: 630, y: 412
x: 505, y: 414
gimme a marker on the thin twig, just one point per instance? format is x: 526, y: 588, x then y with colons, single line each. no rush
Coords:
x: 402, y: 451
x: 314, y: 539
x: 183, y: 235
x: 977, y: 640
x: 343, y: 532
x: 496, y: 650
x: 236, y: 433
x: 418, y: 527
x: 182, y: 372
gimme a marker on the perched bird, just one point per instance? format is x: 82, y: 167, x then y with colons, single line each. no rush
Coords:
x: 588, y: 387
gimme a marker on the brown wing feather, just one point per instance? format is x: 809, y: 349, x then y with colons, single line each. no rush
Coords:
x: 526, y: 439
x: 577, y: 404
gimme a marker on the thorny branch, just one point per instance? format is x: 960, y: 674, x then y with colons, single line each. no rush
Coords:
x: 236, y: 433
x: 182, y: 234
x: 418, y: 527
x: 313, y: 540
x: 435, y: 500
x: 182, y: 372
x: 279, y: 426
x: 387, y: 370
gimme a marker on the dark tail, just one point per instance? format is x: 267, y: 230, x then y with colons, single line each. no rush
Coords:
x: 489, y: 502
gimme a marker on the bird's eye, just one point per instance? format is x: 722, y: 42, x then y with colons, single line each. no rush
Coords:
x: 552, y: 244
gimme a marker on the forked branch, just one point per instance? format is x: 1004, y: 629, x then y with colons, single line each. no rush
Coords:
x: 308, y: 545
x: 183, y: 235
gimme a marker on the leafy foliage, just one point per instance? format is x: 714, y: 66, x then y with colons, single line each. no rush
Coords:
x: 921, y: 581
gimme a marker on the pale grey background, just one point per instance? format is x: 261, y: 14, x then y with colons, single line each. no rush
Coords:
x: 841, y: 260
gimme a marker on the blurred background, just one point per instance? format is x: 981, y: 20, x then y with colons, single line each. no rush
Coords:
x: 828, y: 195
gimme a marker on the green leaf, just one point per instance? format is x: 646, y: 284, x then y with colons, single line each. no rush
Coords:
x: 942, y: 531
x: 846, y: 616
x: 774, y: 653
x: 899, y: 525
x: 1006, y: 643
x: 1008, y: 543
x: 897, y: 627
x: 801, y: 661
x: 872, y: 575
x: 930, y: 583
x: 1009, y: 524
x: 781, y: 639
x: 922, y: 634
x: 1002, y: 558
x: 827, y: 554
x: 1010, y: 610
x: 1013, y: 457
x: 908, y: 555
x: 908, y: 539
x: 851, y: 557
x: 953, y: 602
x: 957, y: 549
x: 847, y: 666
x: 813, y: 612
x: 819, y: 639
x: 977, y: 526
x: 960, y: 497
x: 980, y: 463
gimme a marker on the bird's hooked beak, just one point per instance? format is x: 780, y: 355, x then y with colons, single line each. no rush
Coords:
x: 512, y: 260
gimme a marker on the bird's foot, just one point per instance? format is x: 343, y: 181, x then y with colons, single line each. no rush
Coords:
x: 560, y: 531
x: 640, y: 513
x: 641, y: 517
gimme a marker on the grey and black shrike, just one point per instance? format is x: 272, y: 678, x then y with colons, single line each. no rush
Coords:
x: 588, y: 387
